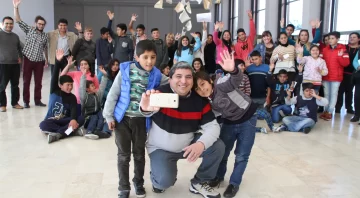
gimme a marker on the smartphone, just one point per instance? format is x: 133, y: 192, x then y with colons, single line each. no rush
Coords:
x: 165, y: 100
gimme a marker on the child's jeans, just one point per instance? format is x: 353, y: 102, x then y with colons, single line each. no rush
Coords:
x: 262, y: 113
x: 297, y: 123
x: 130, y: 134
x: 244, y: 136
x: 59, y: 126
x: 331, y: 93
x: 275, y: 115
x: 95, y: 122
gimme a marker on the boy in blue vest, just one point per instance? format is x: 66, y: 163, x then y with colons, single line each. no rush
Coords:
x: 306, y: 106
x: 122, y: 114
x: 62, y: 108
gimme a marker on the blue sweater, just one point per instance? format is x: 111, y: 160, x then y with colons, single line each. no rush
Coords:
x: 104, y: 49
x: 258, y: 82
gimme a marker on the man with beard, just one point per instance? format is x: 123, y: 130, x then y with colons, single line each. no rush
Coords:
x: 34, y: 50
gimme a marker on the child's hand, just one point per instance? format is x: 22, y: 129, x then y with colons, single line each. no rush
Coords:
x: 194, y: 35
x: 59, y: 54
x: 217, y: 25
x: 74, y: 124
x: 318, y: 23
x: 227, y: 62
x: 249, y: 13
x: 282, y: 23
x: 341, y: 52
x: 299, y: 49
x: 319, y: 70
x: 313, y: 23
x: 177, y: 36
x: 272, y: 65
x: 313, y: 93
x: 110, y: 39
x: 70, y: 60
x: 281, y: 57
x: 301, y: 68
x: 102, y: 70
x: 133, y: 17
x: 111, y: 125
x: 110, y: 15
x: 289, y: 92
x: 247, y: 62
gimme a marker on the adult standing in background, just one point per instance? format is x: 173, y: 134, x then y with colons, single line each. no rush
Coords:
x: 63, y: 39
x: 35, y: 55
x: 210, y: 54
x: 10, y: 59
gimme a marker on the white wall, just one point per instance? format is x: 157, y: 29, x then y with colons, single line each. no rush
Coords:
x: 29, y: 9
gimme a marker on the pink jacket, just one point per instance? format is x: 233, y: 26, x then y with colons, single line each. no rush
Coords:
x: 76, y: 76
x: 220, y: 47
x: 314, y: 70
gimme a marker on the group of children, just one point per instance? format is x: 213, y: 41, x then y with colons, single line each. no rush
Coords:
x: 252, y: 83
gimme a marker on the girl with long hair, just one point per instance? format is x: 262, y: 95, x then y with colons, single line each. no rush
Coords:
x: 222, y: 44
x: 185, y: 51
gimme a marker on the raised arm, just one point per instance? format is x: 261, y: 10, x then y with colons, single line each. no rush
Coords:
x: 229, y: 83
x: 23, y: 26
x: 54, y: 86
x: 66, y: 69
x: 197, y: 45
x: 343, y: 58
x: 109, y: 26
x: 216, y: 39
x: 132, y: 20
x: 204, y: 36
x: 252, y: 33
x: 104, y: 81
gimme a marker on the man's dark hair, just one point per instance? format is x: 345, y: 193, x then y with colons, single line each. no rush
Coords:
x: 104, y: 30
x: 255, y: 53
x: 180, y: 65
x: 307, y: 86
x: 140, y: 26
x: 8, y: 18
x: 145, y: 45
x: 122, y: 26
x: 282, y: 71
x: 65, y: 79
x: 291, y: 25
x: 335, y: 33
x: 154, y: 29
x: 88, y: 83
x: 37, y: 18
x: 240, y: 30
x: 62, y: 20
x: 210, y: 35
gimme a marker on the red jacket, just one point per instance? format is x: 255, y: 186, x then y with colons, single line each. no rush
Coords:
x: 243, y: 48
x: 335, y: 63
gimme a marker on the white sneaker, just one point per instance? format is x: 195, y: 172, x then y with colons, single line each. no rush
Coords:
x: 91, y: 136
x: 263, y: 130
x: 282, y: 113
x: 205, y: 190
x: 279, y: 128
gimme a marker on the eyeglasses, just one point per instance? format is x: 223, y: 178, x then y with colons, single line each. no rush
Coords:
x: 42, y: 24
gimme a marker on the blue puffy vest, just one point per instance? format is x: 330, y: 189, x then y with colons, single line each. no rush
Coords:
x: 124, y: 99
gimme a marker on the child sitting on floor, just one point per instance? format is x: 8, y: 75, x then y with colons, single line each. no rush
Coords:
x: 62, y: 111
x: 306, y: 106
x: 90, y: 99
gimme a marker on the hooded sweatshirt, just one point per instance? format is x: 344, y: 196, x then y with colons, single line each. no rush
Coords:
x: 243, y: 48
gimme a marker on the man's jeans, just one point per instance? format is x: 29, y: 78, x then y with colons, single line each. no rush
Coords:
x: 331, y: 90
x: 130, y: 135
x: 164, y: 165
x: 244, y: 135
x: 298, y: 123
x: 275, y: 115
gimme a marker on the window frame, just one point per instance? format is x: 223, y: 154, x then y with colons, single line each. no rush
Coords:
x: 255, y: 11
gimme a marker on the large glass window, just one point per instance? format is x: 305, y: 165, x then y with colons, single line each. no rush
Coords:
x: 292, y: 11
x: 234, y: 17
x: 259, y: 9
x: 347, y: 15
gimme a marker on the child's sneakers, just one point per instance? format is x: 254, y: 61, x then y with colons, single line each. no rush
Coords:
x: 90, y: 135
x: 53, y: 137
x: 263, y: 130
x: 280, y: 128
x: 124, y: 194
x: 140, y: 190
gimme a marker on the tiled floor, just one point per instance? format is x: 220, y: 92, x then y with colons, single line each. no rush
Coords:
x: 324, y: 163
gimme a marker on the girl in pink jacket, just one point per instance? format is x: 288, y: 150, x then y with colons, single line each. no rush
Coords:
x: 222, y: 44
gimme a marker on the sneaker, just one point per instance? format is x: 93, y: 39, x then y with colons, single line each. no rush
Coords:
x: 26, y: 105
x: 231, y: 191
x: 205, y: 190
x: 355, y: 119
x: 90, y: 135
x: 307, y: 130
x: 2, y: 109
x: 124, y: 194
x: 263, y: 130
x: 101, y: 134
x: 46, y: 132
x: 140, y: 190
x: 327, y: 116
x: 279, y: 128
x: 78, y: 132
x: 53, y: 137
x: 215, y: 182
x: 40, y: 104
x: 17, y: 106
x: 156, y: 190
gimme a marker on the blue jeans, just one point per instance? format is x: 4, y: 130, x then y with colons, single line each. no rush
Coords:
x: 99, y: 74
x: 297, y: 123
x: 264, y: 114
x: 163, y: 165
x: 244, y: 135
x: 276, y: 117
x: 96, y: 121
x: 59, y: 126
x: 331, y: 93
